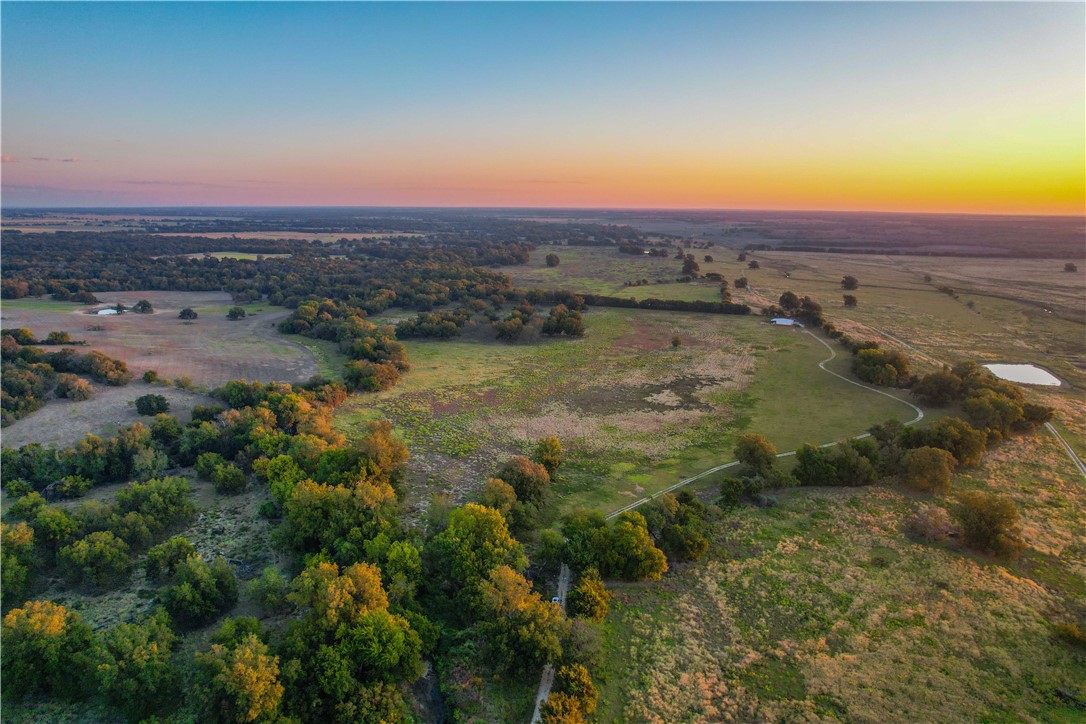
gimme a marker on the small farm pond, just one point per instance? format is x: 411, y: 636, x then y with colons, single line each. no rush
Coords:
x: 1029, y: 374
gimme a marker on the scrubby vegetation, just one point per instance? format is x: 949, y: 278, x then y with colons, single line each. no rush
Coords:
x: 29, y: 374
x: 763, y: 591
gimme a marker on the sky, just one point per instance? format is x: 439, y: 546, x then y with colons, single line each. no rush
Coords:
x: 927, y: 107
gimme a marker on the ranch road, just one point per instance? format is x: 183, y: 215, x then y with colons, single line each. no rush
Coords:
x: 547, y: 678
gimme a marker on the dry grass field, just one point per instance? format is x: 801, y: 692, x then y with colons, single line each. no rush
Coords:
x: 1006, y: 310
x: 210, y: 350
x: 63, y: 422
x: 823, y: 610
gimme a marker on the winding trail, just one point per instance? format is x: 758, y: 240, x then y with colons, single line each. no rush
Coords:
x: 1070, y: 451
x: 547, y: 679
x: 718, y: 468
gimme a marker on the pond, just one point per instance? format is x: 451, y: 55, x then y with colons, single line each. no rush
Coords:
x: 1028, y: 374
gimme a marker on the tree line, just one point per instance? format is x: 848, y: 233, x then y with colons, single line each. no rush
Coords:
x: 29, y: 374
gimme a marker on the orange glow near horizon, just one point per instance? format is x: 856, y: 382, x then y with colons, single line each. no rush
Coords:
x: 897, y: 107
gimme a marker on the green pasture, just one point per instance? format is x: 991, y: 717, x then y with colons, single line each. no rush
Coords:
x: 42, y: 304
x: 461, y: 398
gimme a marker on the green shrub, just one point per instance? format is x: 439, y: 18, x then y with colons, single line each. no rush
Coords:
x: 137, y: 675
x: 163, y: 559
x: 229, y: 479
x: 928, y: 469
x: 590, y: 598
x: 731, y: 493
x: 27, y: 507
x: 16, y: 551
x: 72, y: 486
x: 152, y: 404
x: 47, y: 649
x: 73, y: 388
x: 207, y: 462
x: 989, y: 523
x: 98, y: 557
x: 270, y: 591
x: 201, y: 592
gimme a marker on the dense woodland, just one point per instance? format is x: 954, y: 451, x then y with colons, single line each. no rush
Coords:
x: 369, y: 599
x: 366, y: 598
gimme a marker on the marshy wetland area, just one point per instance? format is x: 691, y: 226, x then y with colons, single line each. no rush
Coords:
x: 397, y: 392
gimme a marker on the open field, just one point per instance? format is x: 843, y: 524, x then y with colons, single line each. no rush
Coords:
x: 1021, y: 308
x: 210, y: 350
x: 602, y: 270
x: 823, y: 609
x: 63, y: 422
x: 1007, y: 310
x: 634, y: 413
x: 244, y: 255
x: 933, y: 328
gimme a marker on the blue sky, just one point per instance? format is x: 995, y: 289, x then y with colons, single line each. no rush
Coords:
x: 544, y: 104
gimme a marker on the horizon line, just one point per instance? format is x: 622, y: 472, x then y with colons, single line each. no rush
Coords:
x: 1081, y: 215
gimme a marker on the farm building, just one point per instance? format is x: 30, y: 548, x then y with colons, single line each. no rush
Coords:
x: 784, y: 322
x: 107, y: 311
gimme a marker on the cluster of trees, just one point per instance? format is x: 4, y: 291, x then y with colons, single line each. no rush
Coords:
x: 29, y: 374
x: 995, y: 406
x: 691, y: 268
x: 512, y: 327
x: 372, y: 597
x: 134, y: 453
x: 24, y: 336
x: 620, y: 549
x: 370, y: 276
x: 564, y: 321
x: 670, y: 305
x: 923, y: 459
x: 790, y: 304
x: 885, y: 367
x: 434, y: 325
x: 376, y: 357
x: 680, y: 525
x: 94, y: 543
x: 346, y: 651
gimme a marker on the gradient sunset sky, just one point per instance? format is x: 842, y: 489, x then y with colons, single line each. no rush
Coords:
x: 972, y: 107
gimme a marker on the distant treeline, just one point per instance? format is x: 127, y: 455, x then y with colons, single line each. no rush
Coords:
x: 888, y: 250
x: 577, y: 301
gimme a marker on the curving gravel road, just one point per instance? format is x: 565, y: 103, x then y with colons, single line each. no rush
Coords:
x: 547, y: 679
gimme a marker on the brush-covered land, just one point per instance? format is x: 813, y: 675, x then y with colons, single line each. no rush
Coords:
x: 336, y: 467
